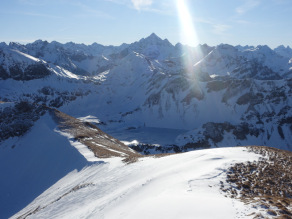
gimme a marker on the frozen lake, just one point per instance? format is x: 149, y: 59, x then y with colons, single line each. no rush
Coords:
x: 146, y: 135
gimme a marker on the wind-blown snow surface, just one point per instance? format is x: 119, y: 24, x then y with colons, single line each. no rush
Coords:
x: 178, y: 186
x: 31, y: 164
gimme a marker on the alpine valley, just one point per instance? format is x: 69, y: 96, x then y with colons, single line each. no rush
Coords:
x: 87, y: 131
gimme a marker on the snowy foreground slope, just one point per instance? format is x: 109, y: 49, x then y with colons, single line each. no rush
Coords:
x: 31, y: 164
x: 177, y: 186
x: 40, y: 145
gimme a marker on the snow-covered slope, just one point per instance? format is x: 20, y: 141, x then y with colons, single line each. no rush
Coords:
x: 20, y: 66
x: 53, y: 53
x: 284, y: 51
x: 40, y: 145
x: 260, y: 63
x: 177, y: 186
x: 242, y: 48
x: 31, y: 164
x: 76, y: 58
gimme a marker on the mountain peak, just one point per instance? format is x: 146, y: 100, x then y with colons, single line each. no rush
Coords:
x: 225, y: 47
x: 152, y: 38
x: 3, y: 44
x: 264, y: 47
x: 153, y: 35
x: 39, y: 42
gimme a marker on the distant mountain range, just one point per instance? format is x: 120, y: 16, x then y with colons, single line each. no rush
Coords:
x: 259, y: 62
x: 242, y: 92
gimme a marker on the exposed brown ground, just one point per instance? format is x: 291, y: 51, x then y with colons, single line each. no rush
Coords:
x: 266, y: 183
x: 100, y: 143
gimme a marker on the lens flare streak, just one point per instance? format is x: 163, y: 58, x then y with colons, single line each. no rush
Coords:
x: 188, y: 29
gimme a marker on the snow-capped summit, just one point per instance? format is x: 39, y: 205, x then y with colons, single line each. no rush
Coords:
x: 223, y: 60
x: 153, y: 39
x: 152, y: 46
x: 20, y: 66
x: 259, y: 62
x: 3, y: 45
x: 18, y: 46
x: 226, y: 47
x: 284, y: 51
x: 242, y: 48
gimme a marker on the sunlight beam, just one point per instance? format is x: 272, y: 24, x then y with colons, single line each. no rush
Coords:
x: 188, y: 29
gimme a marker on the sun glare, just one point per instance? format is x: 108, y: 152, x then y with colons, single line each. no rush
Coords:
x: 188, y: 32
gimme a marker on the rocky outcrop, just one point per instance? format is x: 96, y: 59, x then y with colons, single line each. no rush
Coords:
x: 17, y: 119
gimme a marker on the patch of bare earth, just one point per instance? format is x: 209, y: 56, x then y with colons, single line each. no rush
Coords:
x: 265, y: 184
x: 100, y: 143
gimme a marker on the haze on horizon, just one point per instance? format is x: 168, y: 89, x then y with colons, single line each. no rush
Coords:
x: 113, y: 22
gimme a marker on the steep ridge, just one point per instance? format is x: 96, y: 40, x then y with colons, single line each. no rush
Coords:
x: 19, y: 66
x: 259, y: 63
x: 18, y: 118
x: 284, y: 51
x: 40, y: 145
x: 32, y: 158
x: 53, y: 53
x: 24, y: 77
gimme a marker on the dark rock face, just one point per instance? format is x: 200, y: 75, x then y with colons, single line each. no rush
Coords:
x: 49, y: 96
x: 16, y: 73
x: 252, y: 98
x: 17, y: 120
x: 147, y: 149
x: 77, y: 71
x: 194, y: 93
x: 3, y: 74
x: 103, y: 69
x: 78, y: 57
x: 215, y: 131
x: 54, y: 98
x: 254, y: 69
x: 244, y: 99
x: 35, y: 72
x: 31, y: 72
x: 218, y: 85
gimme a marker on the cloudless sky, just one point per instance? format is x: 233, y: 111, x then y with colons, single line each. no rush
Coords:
x: 113, y: 22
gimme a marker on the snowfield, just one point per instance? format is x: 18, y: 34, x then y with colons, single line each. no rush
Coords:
x: 177, y: 186
x: 31, y: 164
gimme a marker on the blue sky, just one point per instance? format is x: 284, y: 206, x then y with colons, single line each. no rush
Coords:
x: 112, y: 22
